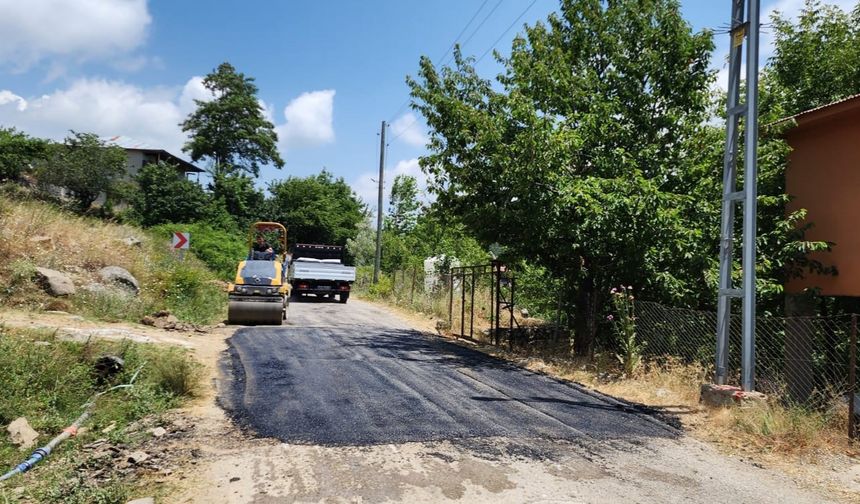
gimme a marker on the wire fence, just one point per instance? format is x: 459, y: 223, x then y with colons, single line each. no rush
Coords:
x: 801, y: 359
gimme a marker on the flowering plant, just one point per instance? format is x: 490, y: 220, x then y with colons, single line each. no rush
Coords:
x: 630, y: 350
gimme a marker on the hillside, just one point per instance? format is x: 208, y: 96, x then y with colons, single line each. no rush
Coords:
x: 35, y: 236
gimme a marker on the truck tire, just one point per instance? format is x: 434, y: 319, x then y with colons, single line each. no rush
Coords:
x: 343, y: 297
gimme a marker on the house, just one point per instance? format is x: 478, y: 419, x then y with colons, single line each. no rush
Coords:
x: 140, y: 154
x: 823, y: 176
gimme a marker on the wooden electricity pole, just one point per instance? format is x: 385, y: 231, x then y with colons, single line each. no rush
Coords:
x: 377, y: 260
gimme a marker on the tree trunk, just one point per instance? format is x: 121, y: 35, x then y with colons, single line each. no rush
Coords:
x: 585, y: 323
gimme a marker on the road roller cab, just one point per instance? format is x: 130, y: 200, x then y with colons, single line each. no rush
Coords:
x: 260, y: 291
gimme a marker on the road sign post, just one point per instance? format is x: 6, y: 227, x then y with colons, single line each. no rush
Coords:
x: 181, y: 242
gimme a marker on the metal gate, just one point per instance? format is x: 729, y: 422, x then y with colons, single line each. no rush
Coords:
x: 483, y: 294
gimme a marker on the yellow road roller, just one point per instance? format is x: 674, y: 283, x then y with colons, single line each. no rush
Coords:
x: 260, y: 293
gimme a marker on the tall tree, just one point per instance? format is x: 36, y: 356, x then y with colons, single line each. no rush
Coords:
x: 574, y: 161
x: 231, y: 129
x: 315, y: 209
x: 238, y: 196
x: 84, y: 166
x: 404, y: 205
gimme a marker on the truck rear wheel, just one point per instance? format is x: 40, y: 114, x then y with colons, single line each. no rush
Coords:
x: 343, y: 297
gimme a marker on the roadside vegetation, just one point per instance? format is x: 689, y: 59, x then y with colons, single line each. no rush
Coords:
x: 48, y: 381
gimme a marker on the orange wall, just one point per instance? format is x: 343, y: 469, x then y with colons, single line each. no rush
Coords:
x: 824, y: 177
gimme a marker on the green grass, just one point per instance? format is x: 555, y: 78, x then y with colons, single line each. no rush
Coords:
x: 48, y: 381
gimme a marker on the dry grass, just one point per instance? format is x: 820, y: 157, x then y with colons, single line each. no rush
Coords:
x: 37, y: 233
x: 34, y: 233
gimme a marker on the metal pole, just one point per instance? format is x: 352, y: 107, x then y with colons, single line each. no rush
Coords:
x: 750, y: 195
x: 492, y: 297
x: 724, y: 303
x: 852, y: 378
x: 451, y: 300
x: 412, y: 293
x: 511, y: 321
x: 498, y: 297
x: 378, y: 258
x: 472, y: 309
x: 463, y: 303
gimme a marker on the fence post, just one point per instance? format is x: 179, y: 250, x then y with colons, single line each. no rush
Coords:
x: 451, y: 300
x: 511, y: 322
x: 496, y: 301
x: 852, y: 433
x: 462, y: 303
x: 472, y: 309
x: 412, y: 293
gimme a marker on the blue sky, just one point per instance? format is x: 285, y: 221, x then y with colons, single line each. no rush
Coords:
x: 328, y: 71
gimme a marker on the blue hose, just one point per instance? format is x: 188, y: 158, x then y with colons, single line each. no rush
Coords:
x: 28, y: 464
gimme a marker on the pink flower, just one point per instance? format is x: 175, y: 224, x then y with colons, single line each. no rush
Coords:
x: 610, y: 317
x: 613, y: 291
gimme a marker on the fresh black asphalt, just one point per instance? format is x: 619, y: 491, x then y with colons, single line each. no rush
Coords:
x: 327, y: 380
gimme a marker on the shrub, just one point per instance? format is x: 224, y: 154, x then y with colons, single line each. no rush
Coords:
x: 630, y: 349
x: 220, y: 250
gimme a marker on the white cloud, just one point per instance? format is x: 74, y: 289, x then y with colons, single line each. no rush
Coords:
x: 408, y: 129
x: 106, y: 108
x: 34, y: 30
x: 309, y: 120
x: 367, y: 188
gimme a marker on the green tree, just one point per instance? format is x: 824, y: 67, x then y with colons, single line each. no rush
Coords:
x: 231, y: 129
x: 405, y: 207
x: 18, y: 153
x: 84, y: 166
x: 164, y: 196
x: 238, y: 196
x: 816, y: 60
x: 316, y: 209
x: 574, y: 160
x: 362, y: 248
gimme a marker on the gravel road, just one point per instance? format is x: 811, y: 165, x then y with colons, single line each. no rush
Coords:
x: 366, y: 409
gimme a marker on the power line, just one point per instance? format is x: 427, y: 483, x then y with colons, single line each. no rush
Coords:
x: 464, y: 30
x: 475, y: 31
x: 454, y: 43
x: 523, y: 13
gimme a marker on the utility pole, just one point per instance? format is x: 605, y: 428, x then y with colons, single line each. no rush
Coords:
x: 378, y: 258
x: 742, y: 28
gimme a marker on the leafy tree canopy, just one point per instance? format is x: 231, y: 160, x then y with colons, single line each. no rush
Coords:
x: 163, y: 196
x: 231, y: 129
x: 315, y: 209
x: 575, y: 159
x: 404, y: 208
x: 84, y: 166
x: 18, y: 152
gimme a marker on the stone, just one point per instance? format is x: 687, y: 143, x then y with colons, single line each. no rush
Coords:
x: 110, y: 428
x: 661, y: 392
x: 56, y: 283
x: 728, y: 395
x: 22, y: 434
x: 41, y: 240
x: 121, y: 277
x: 158, y: 431
x: 525, y: 313
x: 104, y: 290
x: 143, y: 500
x: 131, y: 241
x: 138, y: 457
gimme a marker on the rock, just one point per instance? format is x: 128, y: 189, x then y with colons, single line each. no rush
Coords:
x: 110, y: 428
x: 108, y: 366
x: 41, y: 240
x: 221, y: 325
x: 661, y: 392
x: 143, y: 500
x: 525, y: 313
x: 727, y: 395
x: 121, y: 277
x: 138, y: 457
x: 131, y: 241
x: 158, y: 431
x: 56, y: 283
x: 104, y: 290
x: 22, y: 434
x: 234, y: 479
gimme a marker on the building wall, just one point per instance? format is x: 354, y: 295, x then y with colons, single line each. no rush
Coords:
x: 823, y: 176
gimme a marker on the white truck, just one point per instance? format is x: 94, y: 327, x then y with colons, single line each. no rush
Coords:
x: 319, y: 270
